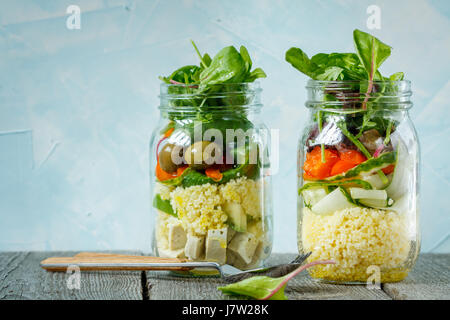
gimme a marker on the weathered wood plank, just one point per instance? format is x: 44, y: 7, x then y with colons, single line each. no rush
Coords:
x: 430, y: 280
x: 167, y: 287
x: 22, y: 278
x: 303, y: 287
x: 164, y: 286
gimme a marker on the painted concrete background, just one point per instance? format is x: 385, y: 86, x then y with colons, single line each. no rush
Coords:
x: 77, y: 107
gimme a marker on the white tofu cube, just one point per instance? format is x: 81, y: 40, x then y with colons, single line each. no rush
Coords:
x: 232, y: 259
x: 195, y: 247
x: 230, y: 234
x: 257, y: 256
x: 244, y: 245
x: 216, y: 245
x: 177, y: 237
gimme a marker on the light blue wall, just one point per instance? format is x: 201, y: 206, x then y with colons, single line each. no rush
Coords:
x: 77, y: 106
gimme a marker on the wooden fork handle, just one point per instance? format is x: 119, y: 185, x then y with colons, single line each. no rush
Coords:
x: 100, y: 261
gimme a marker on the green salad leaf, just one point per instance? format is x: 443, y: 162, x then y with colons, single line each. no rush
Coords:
x: 371, y: 51
x: 217, y: 91
x: 362, y: 65
x: 229, y: 66
x: 300, y: 61
x: 397, y: 76
x: 163, y: 205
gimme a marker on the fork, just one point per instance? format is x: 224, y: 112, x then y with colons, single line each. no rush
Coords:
x: 92, y: 261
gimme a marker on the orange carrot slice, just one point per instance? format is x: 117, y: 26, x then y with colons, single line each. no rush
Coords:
x: 341, y: 166
x: 214, y: 174
x: 315, y: 168
x: 163, y: 175
x: 352, y: 156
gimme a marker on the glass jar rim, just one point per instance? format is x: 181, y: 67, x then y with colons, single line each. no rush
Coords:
x: 243, y: 86
x: 313, y: 81
x: 357, y: 94
x: 248, y: 92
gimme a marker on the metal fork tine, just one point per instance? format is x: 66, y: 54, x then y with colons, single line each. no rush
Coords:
x: 274, y: 271
x: 301, y: 257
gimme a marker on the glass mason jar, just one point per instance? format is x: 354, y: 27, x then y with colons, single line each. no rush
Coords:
x: 358, y: 163
x: 210, y: 183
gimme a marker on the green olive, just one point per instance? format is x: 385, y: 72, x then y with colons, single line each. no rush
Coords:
x: 202, y: 154
x: 168, y: 154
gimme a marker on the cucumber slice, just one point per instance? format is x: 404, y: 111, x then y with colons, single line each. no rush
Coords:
x: 334, y: 201
x: 344, y: 183
x: 368, y: 167
x: 403, y: 173
x: 313, y: 195
x: 401, y: 206
x: 237, y: 218
x: 377, y: 204
x: 359, y: 193
x: 375, y: 180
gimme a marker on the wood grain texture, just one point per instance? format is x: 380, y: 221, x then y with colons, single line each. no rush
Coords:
x: 303, y: 287
x: 169, y: 287
x: 22, y: 278
x: 429, y: 280
x: 107, y: 262
x: 165, y: 286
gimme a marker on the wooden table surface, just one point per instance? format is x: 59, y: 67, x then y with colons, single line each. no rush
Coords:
x: 22, y: 278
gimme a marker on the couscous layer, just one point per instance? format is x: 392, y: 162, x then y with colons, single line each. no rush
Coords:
x: 356, y: 239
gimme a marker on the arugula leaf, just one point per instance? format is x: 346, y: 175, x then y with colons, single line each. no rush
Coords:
x: 203, y: 64
x: 184, y: 75
x: 266, y: 288
x: 367, y: 123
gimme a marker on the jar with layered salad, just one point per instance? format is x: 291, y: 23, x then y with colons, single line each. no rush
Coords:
x: 211, y: 191
x: 358, y: 181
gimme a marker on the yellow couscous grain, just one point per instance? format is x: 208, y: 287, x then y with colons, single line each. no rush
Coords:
x: 199, y: 208
x: 246, y: 192
x: 356, y: 239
